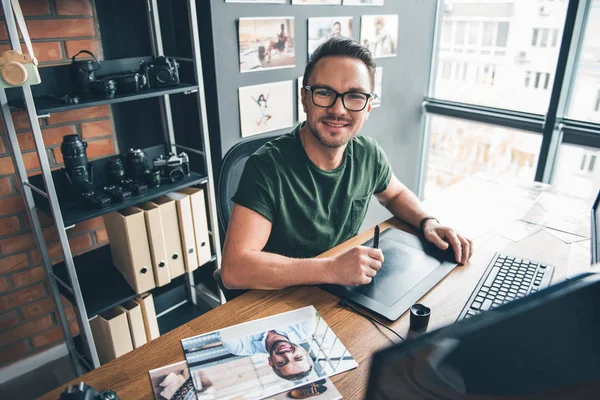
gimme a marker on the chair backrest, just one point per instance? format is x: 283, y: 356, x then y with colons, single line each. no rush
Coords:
x: 231, y: 172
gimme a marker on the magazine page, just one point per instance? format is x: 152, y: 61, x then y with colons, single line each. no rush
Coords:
x: 265, y: 357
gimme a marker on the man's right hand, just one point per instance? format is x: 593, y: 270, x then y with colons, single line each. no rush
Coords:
x: 356, y: 266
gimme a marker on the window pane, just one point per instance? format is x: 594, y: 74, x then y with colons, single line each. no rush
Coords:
x: 460, y: 148
x: 578, y: 171
x: 584, y: 98
x: 508, y: 36
x: 447, y: 33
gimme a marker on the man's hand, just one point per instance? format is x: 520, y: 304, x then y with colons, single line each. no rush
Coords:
x: 356, y: 266
x: 441, y: 235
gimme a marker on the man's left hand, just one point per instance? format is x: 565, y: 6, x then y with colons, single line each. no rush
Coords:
x: 444, y: 236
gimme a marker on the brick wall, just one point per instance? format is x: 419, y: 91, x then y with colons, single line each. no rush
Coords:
x: 28, y: 318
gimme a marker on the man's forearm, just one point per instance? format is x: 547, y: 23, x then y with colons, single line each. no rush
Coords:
x: 407, y: 206
x: 269, y: 271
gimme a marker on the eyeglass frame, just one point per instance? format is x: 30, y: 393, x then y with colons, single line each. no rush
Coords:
x: 337, y: 95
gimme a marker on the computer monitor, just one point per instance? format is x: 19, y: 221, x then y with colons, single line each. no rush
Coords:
x: 543, y: 346
x: 595, y: 238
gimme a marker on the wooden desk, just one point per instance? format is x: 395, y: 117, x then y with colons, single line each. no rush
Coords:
x: 128, y: 375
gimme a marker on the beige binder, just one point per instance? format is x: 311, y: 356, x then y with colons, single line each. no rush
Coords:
x: 136, y: 323
x: 146, y: 302
x: 186, y: 229
x: 111, y: 334
x: 168, y: 215
x: 156, y: 238
x: 129, y: 247
x: 200, y: 224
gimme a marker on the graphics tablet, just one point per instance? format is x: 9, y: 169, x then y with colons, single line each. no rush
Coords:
x: 411, y: 267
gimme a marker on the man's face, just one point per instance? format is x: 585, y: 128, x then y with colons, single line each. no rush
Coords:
x: 337, y: 30
x: 289, y: 358
x: 335, y: 126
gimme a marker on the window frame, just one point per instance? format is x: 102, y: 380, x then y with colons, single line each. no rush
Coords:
x: 554, y: 127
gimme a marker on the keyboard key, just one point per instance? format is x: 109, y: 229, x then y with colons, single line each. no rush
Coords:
x: 491, y: 276
x: 476, y: 305
x: 479, y: 299
x: 486, y: 305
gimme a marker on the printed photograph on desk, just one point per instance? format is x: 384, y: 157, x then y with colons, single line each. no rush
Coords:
x: 265, y: 357
x: 379, y: 34
x: 266, y: 43
x: 267, y: 107
x: 322, y: 29
x: 172, y: 382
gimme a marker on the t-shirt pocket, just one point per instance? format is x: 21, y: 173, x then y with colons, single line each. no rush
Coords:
x: 357, y: 213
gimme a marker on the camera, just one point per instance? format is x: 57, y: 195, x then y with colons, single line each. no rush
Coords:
x: 115, y: 170
x: 160, y: 72
x: 17, y: 69
x: 77, y: 169
x: 85, y: 392
x: 105, y: 88
x: 174, y: 168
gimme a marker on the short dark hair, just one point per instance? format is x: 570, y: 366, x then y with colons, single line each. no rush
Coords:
x: 341, y: 47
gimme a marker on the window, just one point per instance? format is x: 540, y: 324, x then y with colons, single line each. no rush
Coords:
x: 578, y: 171
x: 584, y: 100
x: 493, y: 34
x: 460, y: 148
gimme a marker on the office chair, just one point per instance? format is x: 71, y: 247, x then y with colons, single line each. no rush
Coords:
x: 229, y: 178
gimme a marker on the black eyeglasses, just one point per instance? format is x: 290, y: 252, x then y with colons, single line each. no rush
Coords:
x: 325, y: 97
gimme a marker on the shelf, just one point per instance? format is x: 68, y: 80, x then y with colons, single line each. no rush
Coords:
x: 75, y: 210
x: 48, y: 105
x: 179, y: 316
x: 102, y: 285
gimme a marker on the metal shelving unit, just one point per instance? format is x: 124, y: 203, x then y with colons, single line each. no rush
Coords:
x: 81, y: 279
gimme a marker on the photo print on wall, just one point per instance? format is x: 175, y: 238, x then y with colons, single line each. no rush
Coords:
x: 379, y: 33
x: 378, y: 87
x: 257, y: 1
x: 266, y: 43
x: 301, y: 113
x: 363, y: 2
x: 266, y: 107
x: 316, y: 2
x: 322, y: 29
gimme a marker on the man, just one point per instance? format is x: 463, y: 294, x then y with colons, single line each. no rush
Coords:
x: 288, y: 359
x: 307, y: 191
x: 336, y: 30
x: 280, y: 44
x: 383, y: 45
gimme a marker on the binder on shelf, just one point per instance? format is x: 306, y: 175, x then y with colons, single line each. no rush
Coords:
x: 170, y: 225
x: 146, y: 302
x: 129, y: 247
x: 157, y: 241
x: 136, y: 323
x: 200, y: 224
x: 111, y: 334
x: 186, y: 229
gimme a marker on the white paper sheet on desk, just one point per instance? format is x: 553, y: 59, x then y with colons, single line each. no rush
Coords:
x: 561, y: 212
x: 568, y: 238
x: 475, y: 206
x: 234, y: 362
x: 518, y: 230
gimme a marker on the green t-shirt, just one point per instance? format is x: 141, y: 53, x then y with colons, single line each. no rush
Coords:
x: 311, y: 210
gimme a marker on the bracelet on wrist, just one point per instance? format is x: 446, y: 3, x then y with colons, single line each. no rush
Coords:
x: 423, y: 221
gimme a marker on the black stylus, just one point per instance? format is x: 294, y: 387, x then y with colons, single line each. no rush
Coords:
x: 376, y: 237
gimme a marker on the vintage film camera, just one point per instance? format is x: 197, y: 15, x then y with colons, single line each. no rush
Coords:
x: 160, y: 72
x: 174, y: 167
x: 17, y: 69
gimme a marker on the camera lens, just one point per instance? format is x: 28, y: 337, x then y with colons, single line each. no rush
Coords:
x: 153, y: 178
x: 136, y: 164
x: 73, y: 152
x: 176, y: 174
x: 115, y: 170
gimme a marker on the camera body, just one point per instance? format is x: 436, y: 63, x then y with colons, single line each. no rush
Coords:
x: 174, y: 167
x: 86, y: 392
x: 160, y: 72
x: 17, y: 69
